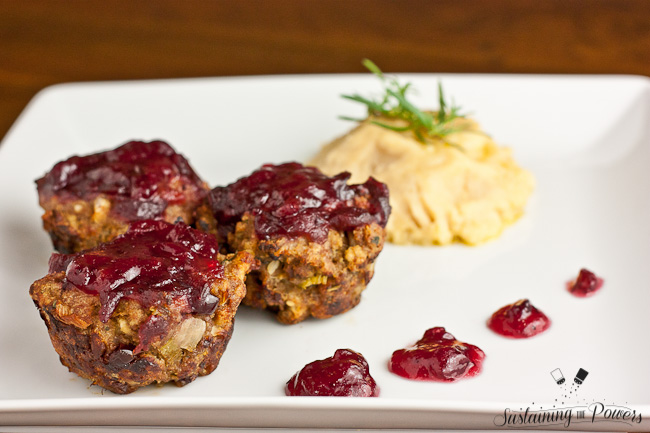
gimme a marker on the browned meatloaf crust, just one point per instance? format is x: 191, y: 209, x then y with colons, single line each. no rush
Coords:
x: 298, y: 278
x: 79, y: 225
x: 91, y: 199
x: 139, y: 344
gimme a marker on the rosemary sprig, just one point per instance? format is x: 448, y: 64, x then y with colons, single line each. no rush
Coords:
x: 425, y: 125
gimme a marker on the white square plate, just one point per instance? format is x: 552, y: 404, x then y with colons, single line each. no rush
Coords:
x: 585, y: 138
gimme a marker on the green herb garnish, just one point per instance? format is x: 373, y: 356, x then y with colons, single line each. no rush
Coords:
x: 425, y: 125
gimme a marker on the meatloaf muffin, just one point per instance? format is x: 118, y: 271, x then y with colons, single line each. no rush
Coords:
x: 91, y: 199
x: 154, y: 305
x: 315, y: 237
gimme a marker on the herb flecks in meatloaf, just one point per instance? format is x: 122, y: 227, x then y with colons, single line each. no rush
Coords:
x: 154, y: 305
x: 91, y: 199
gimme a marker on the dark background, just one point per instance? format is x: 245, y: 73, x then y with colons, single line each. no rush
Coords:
x: 48, y: 42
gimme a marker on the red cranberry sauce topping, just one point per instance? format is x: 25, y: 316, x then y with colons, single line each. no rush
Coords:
x: 438, y: 356
x: 142, y: 178
x: 59, y: 262
x: 519, y: 320
x: 345, y: 374
x: 585, y: 285
x: 153, y: 262
x: 293, y: 200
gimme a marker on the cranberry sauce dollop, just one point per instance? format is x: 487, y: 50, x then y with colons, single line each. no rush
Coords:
x: 345, y: 374
x: 154, y: 262
x: 438, y: 356
x: 293, y: 200
x: 519, y: 320
x: 585, y: 285
x: 141, y: 177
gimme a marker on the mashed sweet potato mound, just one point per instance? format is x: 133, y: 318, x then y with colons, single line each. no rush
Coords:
x: 467, y: 192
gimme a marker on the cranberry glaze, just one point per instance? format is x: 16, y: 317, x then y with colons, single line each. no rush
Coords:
x: 585, y: 285
x: 345, y: 374
x: 519, y: 320
x: 153, y: 262
x: 292, y: 200
x: 141, y: 178
x: 438, y: 356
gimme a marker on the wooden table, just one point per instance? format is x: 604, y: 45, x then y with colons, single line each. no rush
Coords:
x: 47, y: 42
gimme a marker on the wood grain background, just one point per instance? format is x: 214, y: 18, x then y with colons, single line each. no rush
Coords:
x: 47, y: 42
